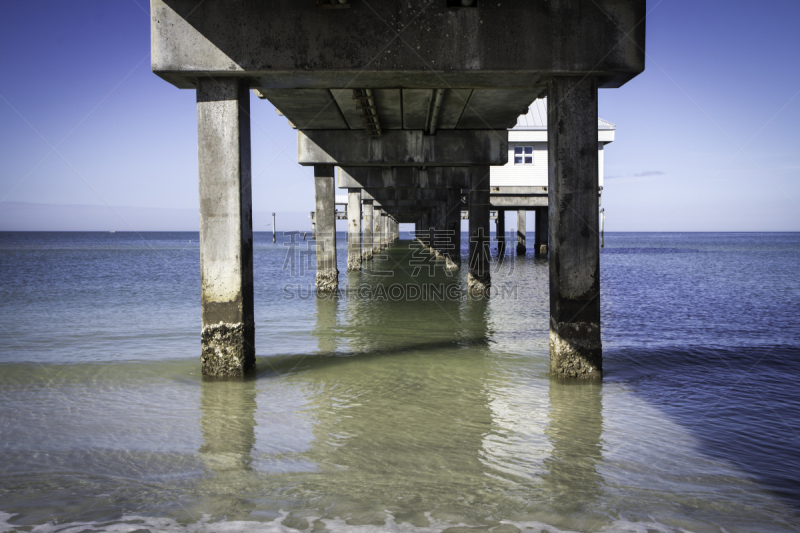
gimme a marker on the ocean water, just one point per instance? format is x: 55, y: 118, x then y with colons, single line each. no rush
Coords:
x: 399, y: 405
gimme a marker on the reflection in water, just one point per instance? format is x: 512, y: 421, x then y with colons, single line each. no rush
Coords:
x: 475, y: 321
x: 324, y: 330
x: 411, y: 421
x: 403, y: 301
x: 575, y: 432
x: 400, y: 417
x: 228, y: 428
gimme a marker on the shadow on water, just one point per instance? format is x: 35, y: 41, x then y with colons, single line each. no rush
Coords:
x: 741, y: 405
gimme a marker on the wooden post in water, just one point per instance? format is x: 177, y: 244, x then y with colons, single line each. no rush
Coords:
x: 602, y: 225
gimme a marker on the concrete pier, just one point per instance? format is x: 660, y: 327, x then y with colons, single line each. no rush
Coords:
x: 522, y: 223
x: 226, y: 227
x: 575, y: 347
x: 368, y: 231
x: 500, y: 232
x: 542, y: 231
x: 327, y: 279
x: 422, y: 136
x: 353, y: 229
x: 479, y: 277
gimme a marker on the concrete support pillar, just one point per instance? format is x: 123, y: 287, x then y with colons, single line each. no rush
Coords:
x: 384, y: 230
x: 522, y: 220
x: 428, y: 229
x: 226, y: 227
x: 542, y: 231
x: 353, y: 229
x: 500, y: 232
x: 376, y: 234
x: 575, y: 348
x: 324, y: 189
x: 479, y: 278
x: 368, y: 230
x: 439, y: 236
x: 423, y: 229
x: 453, y: 228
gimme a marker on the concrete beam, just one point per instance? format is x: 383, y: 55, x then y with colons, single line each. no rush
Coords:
x: 448, y: 148
x: 511, y: 202
x: 518, y: 191
x: 387, y: 205
x: 401, y: 193
x: 407, y: 194
x: 408, y: 177
x: 317, y: 109
x: 290, y: 44
x: 575, y: 347
x: 407, y: 211
x: 226, y: 227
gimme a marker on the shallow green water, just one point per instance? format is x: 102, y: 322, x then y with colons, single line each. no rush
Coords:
x: 398, y: 415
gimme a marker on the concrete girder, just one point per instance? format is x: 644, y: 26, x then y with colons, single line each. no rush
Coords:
x: 383, y: 195
x: 408, y: 203
x: 409, y: 177
x: 398, y: 210
x: 321, y: 109
x: 521, y: 202
x: 448, y: 148
x: 289, y: 44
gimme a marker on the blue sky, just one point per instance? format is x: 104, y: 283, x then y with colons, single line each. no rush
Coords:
x: 707, y: 137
